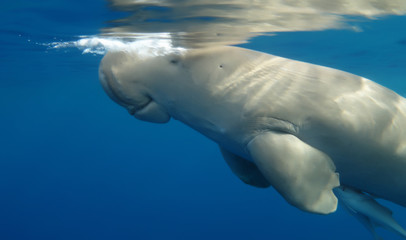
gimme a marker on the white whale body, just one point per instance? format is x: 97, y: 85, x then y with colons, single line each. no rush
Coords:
x: 301, y: 128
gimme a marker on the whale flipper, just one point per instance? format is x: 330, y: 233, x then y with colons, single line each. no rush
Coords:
x: 303, y: 175
x: 246, y: 170
x: 368, y: 211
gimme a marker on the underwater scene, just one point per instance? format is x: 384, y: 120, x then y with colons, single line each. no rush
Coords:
x: 176, y: 119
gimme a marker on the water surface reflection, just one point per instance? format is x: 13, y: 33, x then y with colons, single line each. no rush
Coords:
x: 209, y: 22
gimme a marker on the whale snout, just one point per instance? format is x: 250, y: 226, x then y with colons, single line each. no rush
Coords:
x: 105, y: 82
x: 128, y: 93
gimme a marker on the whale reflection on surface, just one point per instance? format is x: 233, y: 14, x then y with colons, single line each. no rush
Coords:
x: 209, y: 22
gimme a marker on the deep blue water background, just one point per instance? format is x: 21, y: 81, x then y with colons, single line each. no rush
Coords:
x: 74, y: 165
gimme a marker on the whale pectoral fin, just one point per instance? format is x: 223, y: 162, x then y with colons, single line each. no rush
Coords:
x: 303, y: 175
x: 246, y: 170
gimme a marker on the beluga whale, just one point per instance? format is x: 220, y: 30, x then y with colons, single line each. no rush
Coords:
x: 317, y: 135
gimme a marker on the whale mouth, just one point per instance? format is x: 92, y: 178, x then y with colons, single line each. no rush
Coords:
x: 133, y: 110
x: 138, y: 103
x: 112, y: 89
x: 149, y: 111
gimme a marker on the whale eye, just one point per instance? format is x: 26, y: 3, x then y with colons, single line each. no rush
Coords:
x: 174, y: 61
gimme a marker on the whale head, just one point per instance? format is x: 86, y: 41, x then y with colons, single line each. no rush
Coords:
x: 122, y: 79
x: 153, y: 87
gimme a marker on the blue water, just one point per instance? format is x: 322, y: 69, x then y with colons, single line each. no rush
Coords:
x: 74, y: 165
